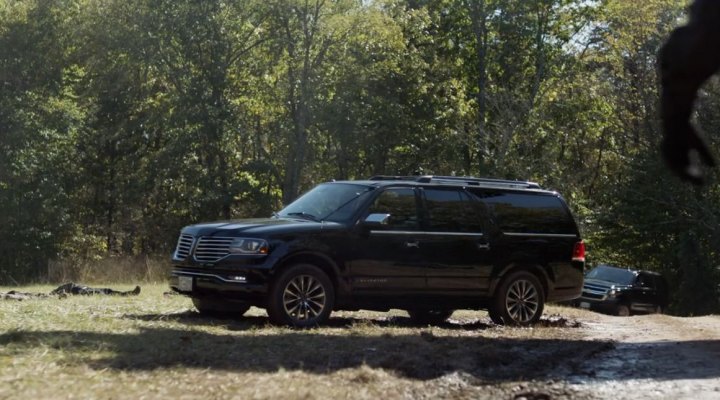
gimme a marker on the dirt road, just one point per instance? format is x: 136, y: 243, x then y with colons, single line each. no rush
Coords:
x: 652, y: 356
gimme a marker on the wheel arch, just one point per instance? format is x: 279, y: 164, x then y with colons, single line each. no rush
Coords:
x: 322, y: 261
x: 534, y: 269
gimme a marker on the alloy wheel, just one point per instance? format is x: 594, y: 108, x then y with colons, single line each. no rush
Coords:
x: 522, y: 301
x: 304, y: 298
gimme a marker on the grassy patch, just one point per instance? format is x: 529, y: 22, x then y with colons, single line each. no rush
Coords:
x: 156, y: 345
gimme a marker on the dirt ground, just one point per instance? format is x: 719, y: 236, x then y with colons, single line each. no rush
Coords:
x: 157, y: 346
x: 649, y: 357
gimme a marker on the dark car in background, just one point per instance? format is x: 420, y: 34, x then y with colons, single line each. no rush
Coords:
x: 425, y: 244
x: 624, y: 291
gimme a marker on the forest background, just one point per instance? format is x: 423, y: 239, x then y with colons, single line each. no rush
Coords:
x: 123, y: 120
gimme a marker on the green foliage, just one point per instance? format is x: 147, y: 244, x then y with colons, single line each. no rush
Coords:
x: 121, y: 121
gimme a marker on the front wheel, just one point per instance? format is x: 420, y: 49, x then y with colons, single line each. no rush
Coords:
x: 519, y: 300
x: 301, y: 296
x: 622, y: 311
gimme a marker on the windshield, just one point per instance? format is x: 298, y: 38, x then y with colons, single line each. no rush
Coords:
x: 327, y: 202
x: 612, y: 274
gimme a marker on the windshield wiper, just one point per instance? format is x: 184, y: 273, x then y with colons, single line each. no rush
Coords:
x: 304, y: 215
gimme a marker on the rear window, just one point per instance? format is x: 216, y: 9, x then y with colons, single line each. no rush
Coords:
x: 527, y: 213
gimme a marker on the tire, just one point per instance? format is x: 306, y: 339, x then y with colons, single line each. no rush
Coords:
x: 495, y: 315
x: 622, y: 311
x: 519, y: 300
x: 302, y: 296
x: 429, y: 317
x: 219, y: 308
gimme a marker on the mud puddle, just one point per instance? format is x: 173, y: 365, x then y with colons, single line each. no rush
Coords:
x: 650, y: 357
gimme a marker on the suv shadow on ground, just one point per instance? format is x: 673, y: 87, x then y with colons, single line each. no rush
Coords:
x: 423, y: 356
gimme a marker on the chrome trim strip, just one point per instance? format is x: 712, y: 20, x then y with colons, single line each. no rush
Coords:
x: 540, y: 235
x: 425, y: 233
x: 207, y: 276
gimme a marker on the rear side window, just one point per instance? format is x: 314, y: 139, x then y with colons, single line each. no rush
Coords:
x: 528, y: 213
x: 450, y: 210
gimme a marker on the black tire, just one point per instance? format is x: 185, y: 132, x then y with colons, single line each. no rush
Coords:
x: 422, y: 316
x: 302, y: 296
x: 220, y: 308
x: 622, y: 310
x: 495, y: 315
x: 519, y: 300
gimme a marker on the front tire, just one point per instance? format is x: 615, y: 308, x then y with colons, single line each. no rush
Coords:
x: 302, y: 296
x: 622, y: 311
x: 520, y: 300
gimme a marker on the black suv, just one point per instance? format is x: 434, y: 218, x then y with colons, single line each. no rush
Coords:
x: 426, y: 244
x: 623, y: 291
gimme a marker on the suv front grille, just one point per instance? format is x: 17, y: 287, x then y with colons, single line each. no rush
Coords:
x: 589, y: 295
x: 211, y: 249
x: 594, y: 291
x: 183, y: 246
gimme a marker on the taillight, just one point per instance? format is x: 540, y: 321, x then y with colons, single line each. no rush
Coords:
x: 579, y: 251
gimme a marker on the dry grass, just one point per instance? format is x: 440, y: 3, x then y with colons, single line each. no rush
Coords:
x: 155, y: 346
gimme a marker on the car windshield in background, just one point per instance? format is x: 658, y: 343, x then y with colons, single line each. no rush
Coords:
x: 612, y: 274
x: 329, y: 201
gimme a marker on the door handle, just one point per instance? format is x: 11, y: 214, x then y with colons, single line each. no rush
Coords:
x: 411, y: 244
x: 483, y: 246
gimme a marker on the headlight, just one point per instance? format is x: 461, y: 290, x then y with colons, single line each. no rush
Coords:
x: 248, y: 246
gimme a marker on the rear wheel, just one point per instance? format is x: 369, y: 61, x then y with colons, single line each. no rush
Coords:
x: 519, y: 300
x: 216, y: 308
x: 429, y: 317
x: 301, y: 296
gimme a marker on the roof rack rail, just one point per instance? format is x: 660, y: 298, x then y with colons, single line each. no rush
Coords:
x: 466, y: 180
x: 393, y: 178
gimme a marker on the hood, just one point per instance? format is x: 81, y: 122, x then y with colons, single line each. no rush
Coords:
x: 258, y: 227
x: 602, y: 284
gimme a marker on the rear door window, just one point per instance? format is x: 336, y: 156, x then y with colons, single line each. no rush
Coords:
x: 451, y: 210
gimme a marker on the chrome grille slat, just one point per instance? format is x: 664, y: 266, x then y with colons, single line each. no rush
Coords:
x: 184, y: 245
x: 211, y: 249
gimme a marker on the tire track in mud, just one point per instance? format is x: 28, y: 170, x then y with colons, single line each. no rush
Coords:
x: 649, y: 357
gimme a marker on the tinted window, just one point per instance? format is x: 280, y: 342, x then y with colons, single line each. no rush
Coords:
x: 527, y: 213
x: 612, y: 274
x: 401, y: 205
x: 451, y: 211
x: 646, y: 281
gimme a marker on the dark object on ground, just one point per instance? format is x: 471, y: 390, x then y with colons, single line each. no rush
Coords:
x: 68, y: 289
x: 624, y: 291
x: 15, y: 295
x: 688, y: 58
x: 73, y: 288
x: 426, y: 244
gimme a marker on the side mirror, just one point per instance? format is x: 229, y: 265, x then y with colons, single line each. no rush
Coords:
x: 376, y: 220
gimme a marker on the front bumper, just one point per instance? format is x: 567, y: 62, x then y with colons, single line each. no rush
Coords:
x: 248, y: 285
x: 606, y: 305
